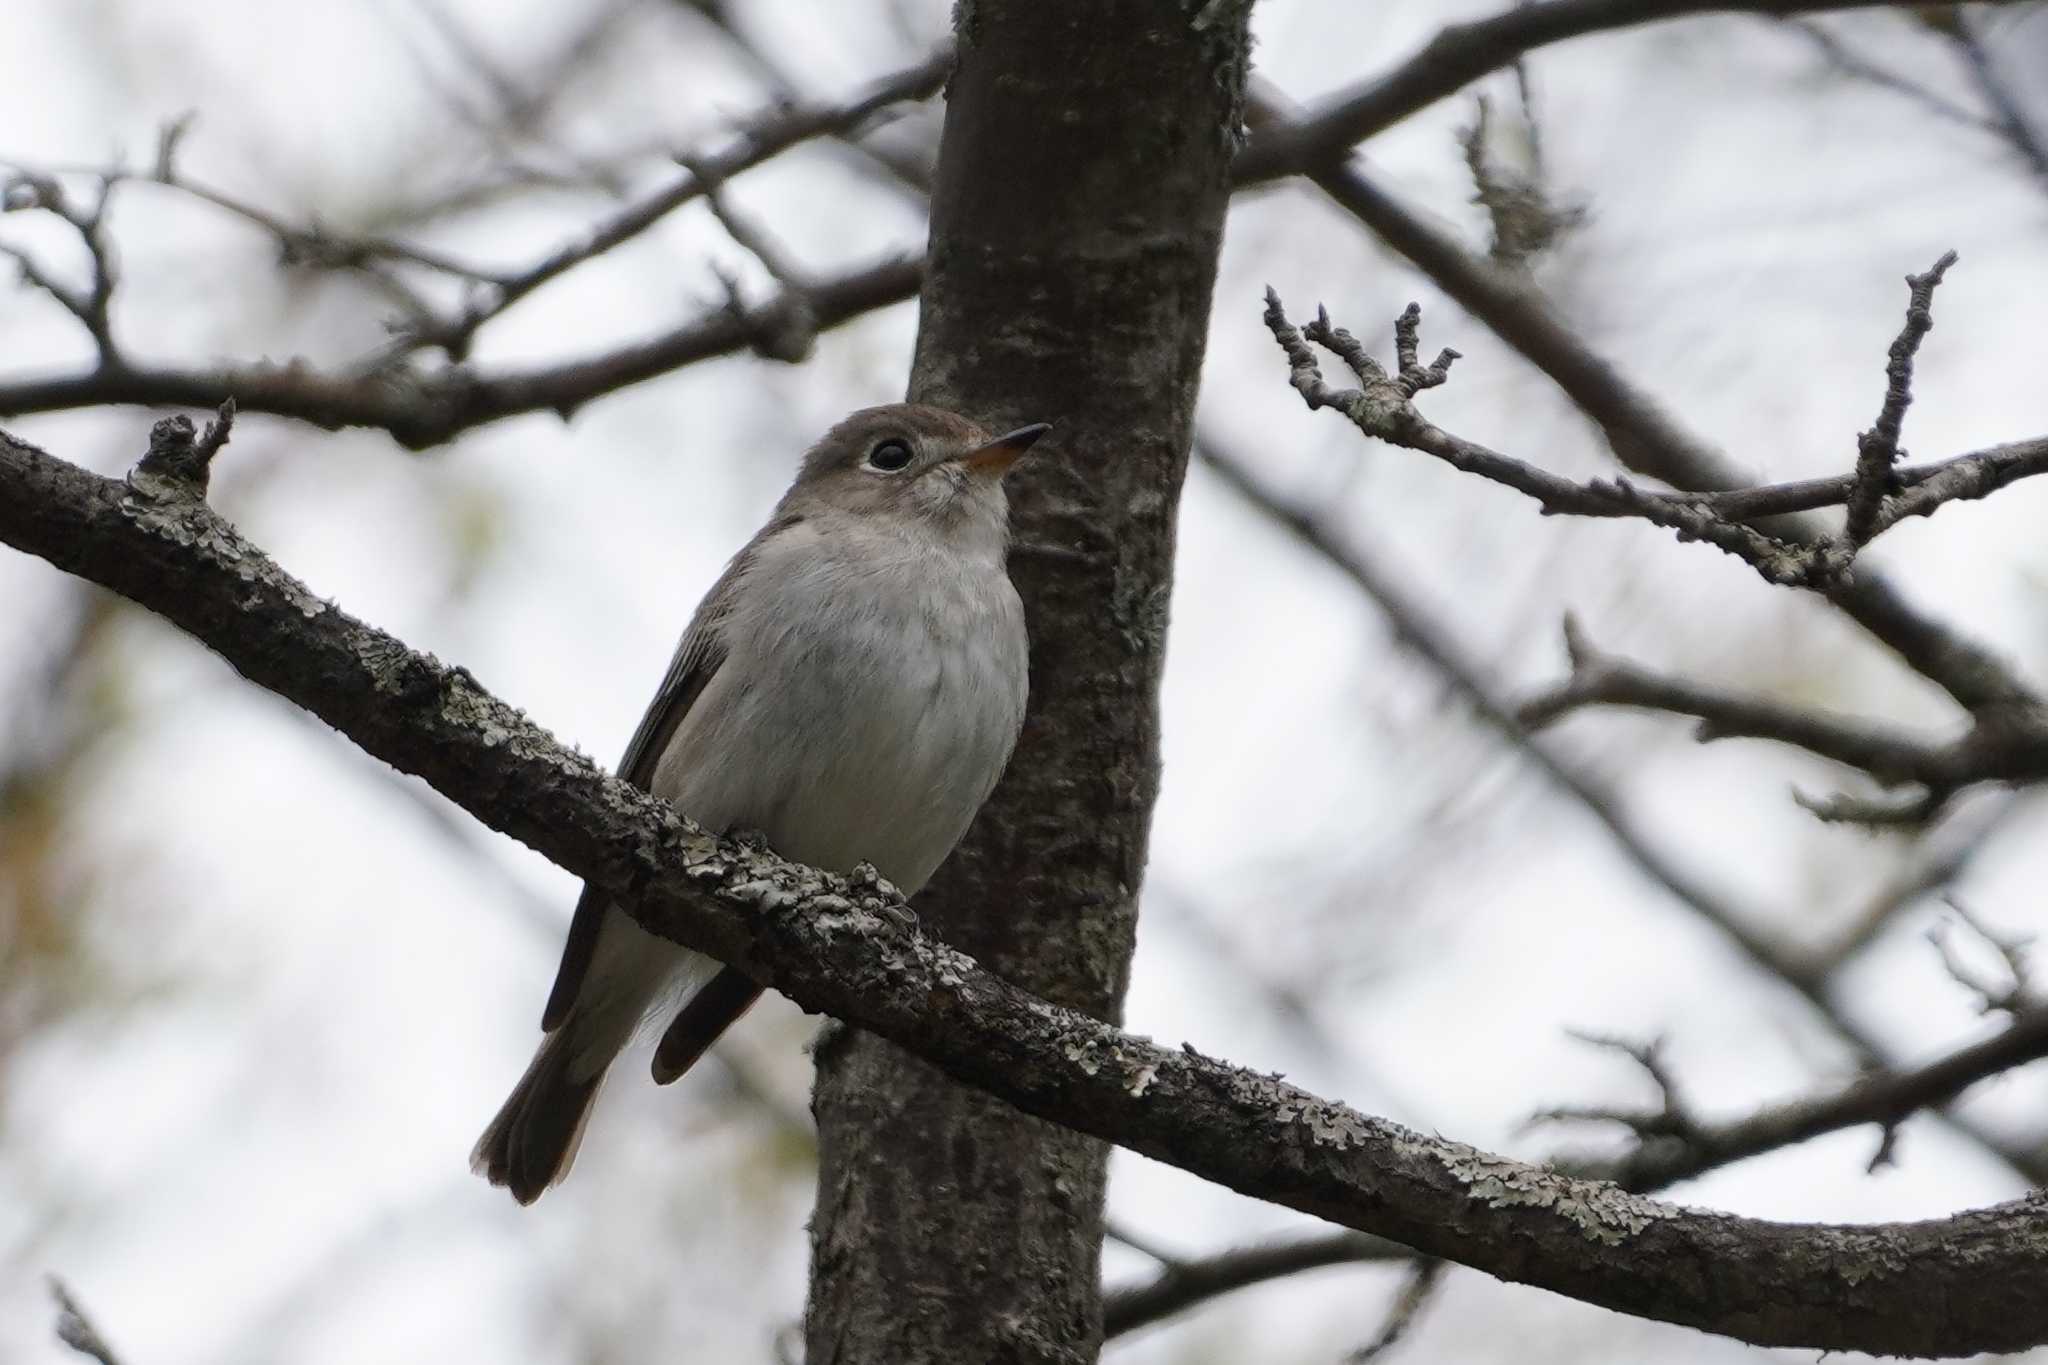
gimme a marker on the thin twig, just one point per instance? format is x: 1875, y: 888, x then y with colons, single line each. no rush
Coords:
x: 1877, y: 450
x: 1423, y: 1278
x: 1598, y: 678
x: 1669, y: 1152
x: 1185, y: 1284
x: 2013, y: 121
x: 2005, y: 745
x: 1846, y: 62
x: 1938, y: 862
x: 93, y: 308
x: 76, y: 1330
x: 2013, y: 994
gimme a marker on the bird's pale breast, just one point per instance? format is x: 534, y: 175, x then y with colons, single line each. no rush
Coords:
x: 870, y: 697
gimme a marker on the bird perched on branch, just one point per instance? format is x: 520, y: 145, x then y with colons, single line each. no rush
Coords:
x: 850, y: 688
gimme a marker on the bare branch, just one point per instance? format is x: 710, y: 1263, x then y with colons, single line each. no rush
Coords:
x: 1598, y: 678
x: 1877, y: 450
x: 75, y: 1329
x: 1844, y: 60
x: 1460, y: 54
x: 93, y: 308
x: 1679, y: 1146
x: 1911, y: 810
x: 2015, y: 993
x: 1185, y: 1284
x: 1649, y: 441
x: 794, y: 342
x: 2005, y: 745
x: 1938, y: 863
x: 1671, y: 1117
x: 2013, y: 123
x: 1382, y: 408
x: 1423, y: 1278
x: 425, y: 408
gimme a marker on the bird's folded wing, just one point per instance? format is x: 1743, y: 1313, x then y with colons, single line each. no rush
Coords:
x: 697, y: 658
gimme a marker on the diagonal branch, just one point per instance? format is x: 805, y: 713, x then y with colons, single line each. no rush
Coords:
x: 844, y: 946
x: 1383, y: 407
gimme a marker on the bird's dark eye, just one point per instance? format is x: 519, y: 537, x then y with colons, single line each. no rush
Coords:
x: 889, y: 456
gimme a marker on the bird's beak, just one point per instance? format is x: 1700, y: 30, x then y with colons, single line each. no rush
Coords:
x: 998, y: 455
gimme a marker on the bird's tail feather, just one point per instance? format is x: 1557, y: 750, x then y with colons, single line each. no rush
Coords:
x: 529, y: 1145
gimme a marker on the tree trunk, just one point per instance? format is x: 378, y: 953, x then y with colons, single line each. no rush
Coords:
x: 1076, y: 220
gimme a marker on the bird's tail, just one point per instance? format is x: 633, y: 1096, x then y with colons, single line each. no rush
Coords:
x: 531, y: 1142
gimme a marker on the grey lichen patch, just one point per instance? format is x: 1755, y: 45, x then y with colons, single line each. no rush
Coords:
x: 762, y: 895
x: 1875, y: 1259
x: 1603, y: 1213
x: 1328, y: 1125
x: 1132, y: 1062
x: 1085, y: 1053
x: 949, y: 967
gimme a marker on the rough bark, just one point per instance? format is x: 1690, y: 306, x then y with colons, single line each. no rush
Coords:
x: 845, y: 946
x: 949, y: 1227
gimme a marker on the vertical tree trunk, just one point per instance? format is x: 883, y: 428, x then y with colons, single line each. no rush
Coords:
x: 1076, y: 220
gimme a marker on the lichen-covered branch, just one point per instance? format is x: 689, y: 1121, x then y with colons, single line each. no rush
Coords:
x: 845, y: 946
x: 1672, y: 1145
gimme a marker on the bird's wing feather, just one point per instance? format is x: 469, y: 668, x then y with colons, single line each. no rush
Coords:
x: 697, y: 658
x: 715, y: 1007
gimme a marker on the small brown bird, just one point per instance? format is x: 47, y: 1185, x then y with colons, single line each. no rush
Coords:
x: 851, y: 689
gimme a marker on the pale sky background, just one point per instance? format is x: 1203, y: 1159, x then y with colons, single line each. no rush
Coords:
x: 295, y: 996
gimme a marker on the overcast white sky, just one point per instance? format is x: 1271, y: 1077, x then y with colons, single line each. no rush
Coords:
x: 259, y: 1155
